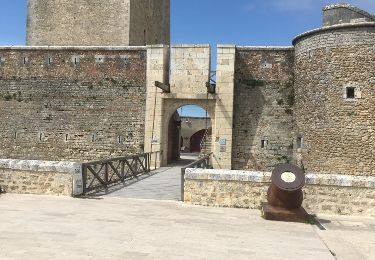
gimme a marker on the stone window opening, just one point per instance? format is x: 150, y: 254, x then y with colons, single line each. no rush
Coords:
x: 25, y: 60
x: 119, y: 139
x: 49, y: 60
x: 41, y: 137
x: 299, y: 142
x: 15, y: 135
x: 66, y: 138
x: 264, y: 143
x: 311, y: 55
x: 76, y: 60
x: 350, y: 92
x: 93, y: 137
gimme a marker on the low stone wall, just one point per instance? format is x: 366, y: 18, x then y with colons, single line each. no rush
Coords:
x: 40, y: 177
x: 333, y: 194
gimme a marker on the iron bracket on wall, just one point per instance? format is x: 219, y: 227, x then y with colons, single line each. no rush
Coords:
x: 165, y: 87
x: 211, y: 88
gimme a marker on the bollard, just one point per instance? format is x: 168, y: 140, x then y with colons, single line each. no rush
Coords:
x: 285, y: 195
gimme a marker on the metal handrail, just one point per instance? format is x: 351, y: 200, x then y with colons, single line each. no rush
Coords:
x: 97, y: 175
x: 203, y: 163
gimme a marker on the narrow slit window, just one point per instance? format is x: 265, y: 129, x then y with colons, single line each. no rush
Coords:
x: 25, y: 60
x: 93, y: 137
x: 40, y: 136
x: 119, y: 139
x: 66, y: 137
x: 15, y: 135
x: 299, y: 142
x: 50, y: 60
x: 264, y: 143
x: 350, y: 92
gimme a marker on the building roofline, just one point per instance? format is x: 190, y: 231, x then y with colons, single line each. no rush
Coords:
x: 76, y: 48
x: 332, y: 28
x: 268, y: 48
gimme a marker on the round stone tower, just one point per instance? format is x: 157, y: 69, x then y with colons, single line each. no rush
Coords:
x: 98, y: 22
x: 335, y: 93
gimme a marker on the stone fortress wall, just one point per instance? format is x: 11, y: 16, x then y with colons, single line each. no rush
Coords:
x: 335, y: 99
x: 271, y: 105
x: 72, y: 103
x: 97, y: 22
x: 263, y: 107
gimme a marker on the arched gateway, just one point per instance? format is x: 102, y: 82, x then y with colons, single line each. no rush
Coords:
x: 184, y: 72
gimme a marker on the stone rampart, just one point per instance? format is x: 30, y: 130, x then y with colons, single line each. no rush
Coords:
x: 72, y: 103
x: 333, y: 194
x: 335, y: 100
x: 263, y: 107
x: 40, y: 177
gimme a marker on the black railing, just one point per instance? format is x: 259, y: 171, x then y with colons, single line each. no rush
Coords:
x: 99, y: 175
x: 203, y: 163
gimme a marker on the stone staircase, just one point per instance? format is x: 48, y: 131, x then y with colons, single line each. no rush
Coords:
x: 206, y: 143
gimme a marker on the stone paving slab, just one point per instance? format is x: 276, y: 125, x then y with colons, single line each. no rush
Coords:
x: 45, y: 227
x: 349, y: 237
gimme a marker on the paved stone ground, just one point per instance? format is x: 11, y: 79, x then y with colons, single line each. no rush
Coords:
x: 46, y: 227
x: 349, y: 237
x: 162, y: 184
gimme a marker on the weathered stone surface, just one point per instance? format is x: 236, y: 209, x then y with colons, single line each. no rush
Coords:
x: 98, y: 23
x: 337, y: 194
x: 263, y: 107
x: 338, y: 132
x: 344, y: 13
x: 37, y: 177
x: 26, y: 182
x: 72, y: 103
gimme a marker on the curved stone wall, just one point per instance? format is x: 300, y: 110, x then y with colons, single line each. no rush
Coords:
x: 335, y: 99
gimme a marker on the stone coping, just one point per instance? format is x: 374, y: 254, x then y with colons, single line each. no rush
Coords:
x: 190, y: 46
x: 76, y: 48
x: 267, y: 48
x: 39, y: 166
x: 332, y: 28
x: 350, y: 7
x: 265, y: 177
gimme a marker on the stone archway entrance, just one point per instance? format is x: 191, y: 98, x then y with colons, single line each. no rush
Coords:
x: 188, y: 132
x: 185, y: 71
x: 170, y: 140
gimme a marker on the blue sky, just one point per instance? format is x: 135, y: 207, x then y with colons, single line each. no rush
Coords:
x: 241, y: 22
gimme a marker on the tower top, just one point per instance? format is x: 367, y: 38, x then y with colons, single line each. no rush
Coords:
x: 345, y: 13
x: 98, y: 22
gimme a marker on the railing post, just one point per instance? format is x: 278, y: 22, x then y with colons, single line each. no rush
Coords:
x: 122, y: 169
x: 156, y: 158
x: 183, y: 184
x: 84, y: 178
x: 106, y: 179
x: 146, y: 162
x: 136, y: 166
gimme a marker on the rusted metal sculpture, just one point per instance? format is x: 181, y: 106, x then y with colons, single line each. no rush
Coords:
x: 285, y: 195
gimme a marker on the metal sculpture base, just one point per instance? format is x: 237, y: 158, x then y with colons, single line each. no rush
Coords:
x: 288, y: 215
